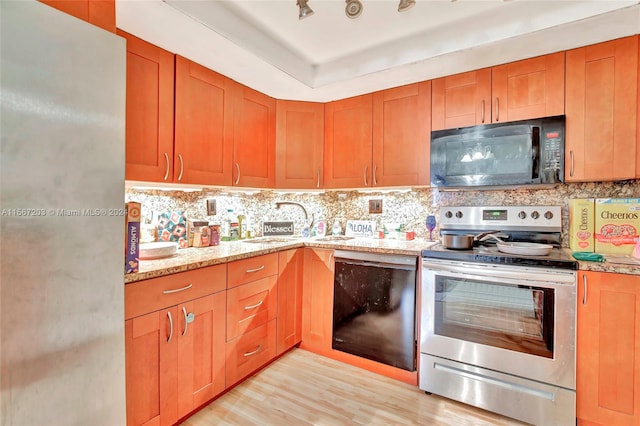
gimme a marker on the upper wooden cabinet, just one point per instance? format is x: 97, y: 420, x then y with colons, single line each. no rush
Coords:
x: 204, y: 123
x: 608, y: 349
x: 101, y: 13
x: 254, y: 138
x: 299, y: 144
x: 521, y: 90
x: 149, y: 119
x: 602, y: 90
x: 401, y: 135
x: 461, y: 100
x: 348, y: 129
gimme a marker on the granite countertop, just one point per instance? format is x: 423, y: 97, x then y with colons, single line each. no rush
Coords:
x: 193, y: 258
x: 200, y: 257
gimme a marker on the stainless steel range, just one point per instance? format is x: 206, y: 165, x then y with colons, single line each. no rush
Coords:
x: 497, y: 330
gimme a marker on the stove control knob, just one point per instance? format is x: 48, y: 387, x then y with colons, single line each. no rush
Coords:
x: 448, y: 214
x: 548, y: 215
x: 459, y: 214
x: 522, y: 214
x: 535, y: 214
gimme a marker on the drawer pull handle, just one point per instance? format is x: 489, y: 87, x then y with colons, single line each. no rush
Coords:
x: 170, y: 327
x: 177, y: 289
x: 248, y: 308
x: 258, y: 349
x: 584, y: 283
x: 249, y: 271
x: 186, y: 320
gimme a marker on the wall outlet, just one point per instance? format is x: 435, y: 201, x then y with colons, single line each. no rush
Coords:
x: 211, y: 207
x: 375, y: 206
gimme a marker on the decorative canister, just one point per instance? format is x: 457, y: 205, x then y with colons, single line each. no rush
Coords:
x: 214, y: 235
x: 200, y: 233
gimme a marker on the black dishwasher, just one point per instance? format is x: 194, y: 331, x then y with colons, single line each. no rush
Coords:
x: 374, y: 305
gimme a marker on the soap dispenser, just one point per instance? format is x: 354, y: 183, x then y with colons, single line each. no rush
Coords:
x: 336, y: 229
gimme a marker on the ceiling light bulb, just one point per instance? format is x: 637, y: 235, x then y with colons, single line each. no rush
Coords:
x: 353, y: 8
x: 405, y: 5
x: 305, y: 10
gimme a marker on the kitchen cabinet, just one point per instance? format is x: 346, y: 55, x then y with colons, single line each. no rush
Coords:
x: 254, y: 138
x: 520, y: 90
x: 204, y: 123
x: 608, y: 349
x: 149, y: 119
x: 299, y: 144
x: 317, y: 301
x: 289, y: 324
x: 251, y: 305
x: 348, y: 129
x: 401, y: 135
x: 638, y: 118
x: 101, y: 13
x: 174, y: 344
x: 601, y: 128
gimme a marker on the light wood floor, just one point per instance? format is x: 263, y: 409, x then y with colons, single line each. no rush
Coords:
x: 303, y: 388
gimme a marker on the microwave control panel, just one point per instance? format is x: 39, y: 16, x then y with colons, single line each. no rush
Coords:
x: 552, y: 146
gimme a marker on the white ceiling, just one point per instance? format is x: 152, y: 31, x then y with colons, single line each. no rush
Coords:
x: 327, y: 56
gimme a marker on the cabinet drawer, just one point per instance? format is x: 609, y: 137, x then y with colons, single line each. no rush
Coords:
x: 250, y: 351
x: 251, y: 305
x: 251, y: 269
x: 151, y: 295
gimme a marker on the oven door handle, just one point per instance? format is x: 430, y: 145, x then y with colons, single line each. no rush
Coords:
x: 463, y: 270
x: 375, y: 264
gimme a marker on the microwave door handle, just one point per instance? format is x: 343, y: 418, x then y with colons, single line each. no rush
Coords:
x: 535, y: 152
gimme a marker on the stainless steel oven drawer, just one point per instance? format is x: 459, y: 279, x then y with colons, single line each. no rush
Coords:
x: 512, y: 396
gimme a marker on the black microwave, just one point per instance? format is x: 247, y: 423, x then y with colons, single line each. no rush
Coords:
x: 528, y: 152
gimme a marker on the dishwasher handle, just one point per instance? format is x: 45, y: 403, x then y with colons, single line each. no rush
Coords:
x: 375, y: 264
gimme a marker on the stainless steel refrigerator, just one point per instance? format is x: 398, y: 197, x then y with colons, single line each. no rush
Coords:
x: 62, y: 231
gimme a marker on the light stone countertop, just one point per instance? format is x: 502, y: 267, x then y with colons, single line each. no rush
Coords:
x: 200, y: 257
x: 193, y: 258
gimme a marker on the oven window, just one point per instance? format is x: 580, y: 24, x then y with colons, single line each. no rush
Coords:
x: 518, y: 318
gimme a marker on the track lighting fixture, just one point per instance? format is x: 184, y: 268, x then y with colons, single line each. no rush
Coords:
x: 405, y: 5
x: 305, y: 10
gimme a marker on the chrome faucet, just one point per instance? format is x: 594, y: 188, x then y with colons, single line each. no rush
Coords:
x: 306, y: 215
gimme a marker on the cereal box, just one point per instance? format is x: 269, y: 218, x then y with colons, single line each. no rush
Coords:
x: 582, y: 224
x: 132, y: 237
x: 617, y: 224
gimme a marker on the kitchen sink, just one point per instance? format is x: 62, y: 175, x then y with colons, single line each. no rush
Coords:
x: 269, y: 240
x: 335, y: 238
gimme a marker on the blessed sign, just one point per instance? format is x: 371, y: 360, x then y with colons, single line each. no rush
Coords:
x: 277, y: 228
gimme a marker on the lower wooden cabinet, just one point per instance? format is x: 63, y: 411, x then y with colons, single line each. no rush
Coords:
x: 174, y: 360
x: 608, y: 355
x: 250, y: 351
x: 317, y: 300
x: 289, y: 324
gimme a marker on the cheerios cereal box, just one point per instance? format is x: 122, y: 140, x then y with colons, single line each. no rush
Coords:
x: 582, y: 224
x: 617, y: 224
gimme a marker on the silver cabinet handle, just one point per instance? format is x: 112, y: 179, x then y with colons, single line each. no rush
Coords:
x: 181, y: 166
x: 248, y: 308
x: 187, y: 287
x: 237, y: 181
x: 170, y: 327
x: 571, y: 168
x: 366, y: 168
x: 318, y: 182
x: 375, y: 181
x: 584, y: 284
x: 482, y: 120
x: 186, y: 324
x: 166, y: 172
x: 258, y: 349
x: 260, y: 268
x: 497, y: 109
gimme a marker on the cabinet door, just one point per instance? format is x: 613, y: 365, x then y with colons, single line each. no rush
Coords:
x: 401, y: 135
x: 101, y: 13
x: 151, y: 376
x: 530, y: 88
x: 461, y: 100
x: 289, y: 331
x: 638, y: 119
x: 608, y: 351
x: 251, y: 305
x: 347, y: 142
x: 149, y: 121
x: 317, y: 300
x: 254, y: 139
x: 201, y: 351
x: 203, y: 125
x: 299, y: 144
x: 602, y: 111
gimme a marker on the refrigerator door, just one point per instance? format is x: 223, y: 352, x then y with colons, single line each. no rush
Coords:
x: 62, y: 232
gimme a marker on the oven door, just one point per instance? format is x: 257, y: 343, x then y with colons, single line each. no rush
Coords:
x: 518, y: 320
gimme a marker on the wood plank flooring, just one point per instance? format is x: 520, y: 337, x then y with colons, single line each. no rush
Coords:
x: 302, y: 388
